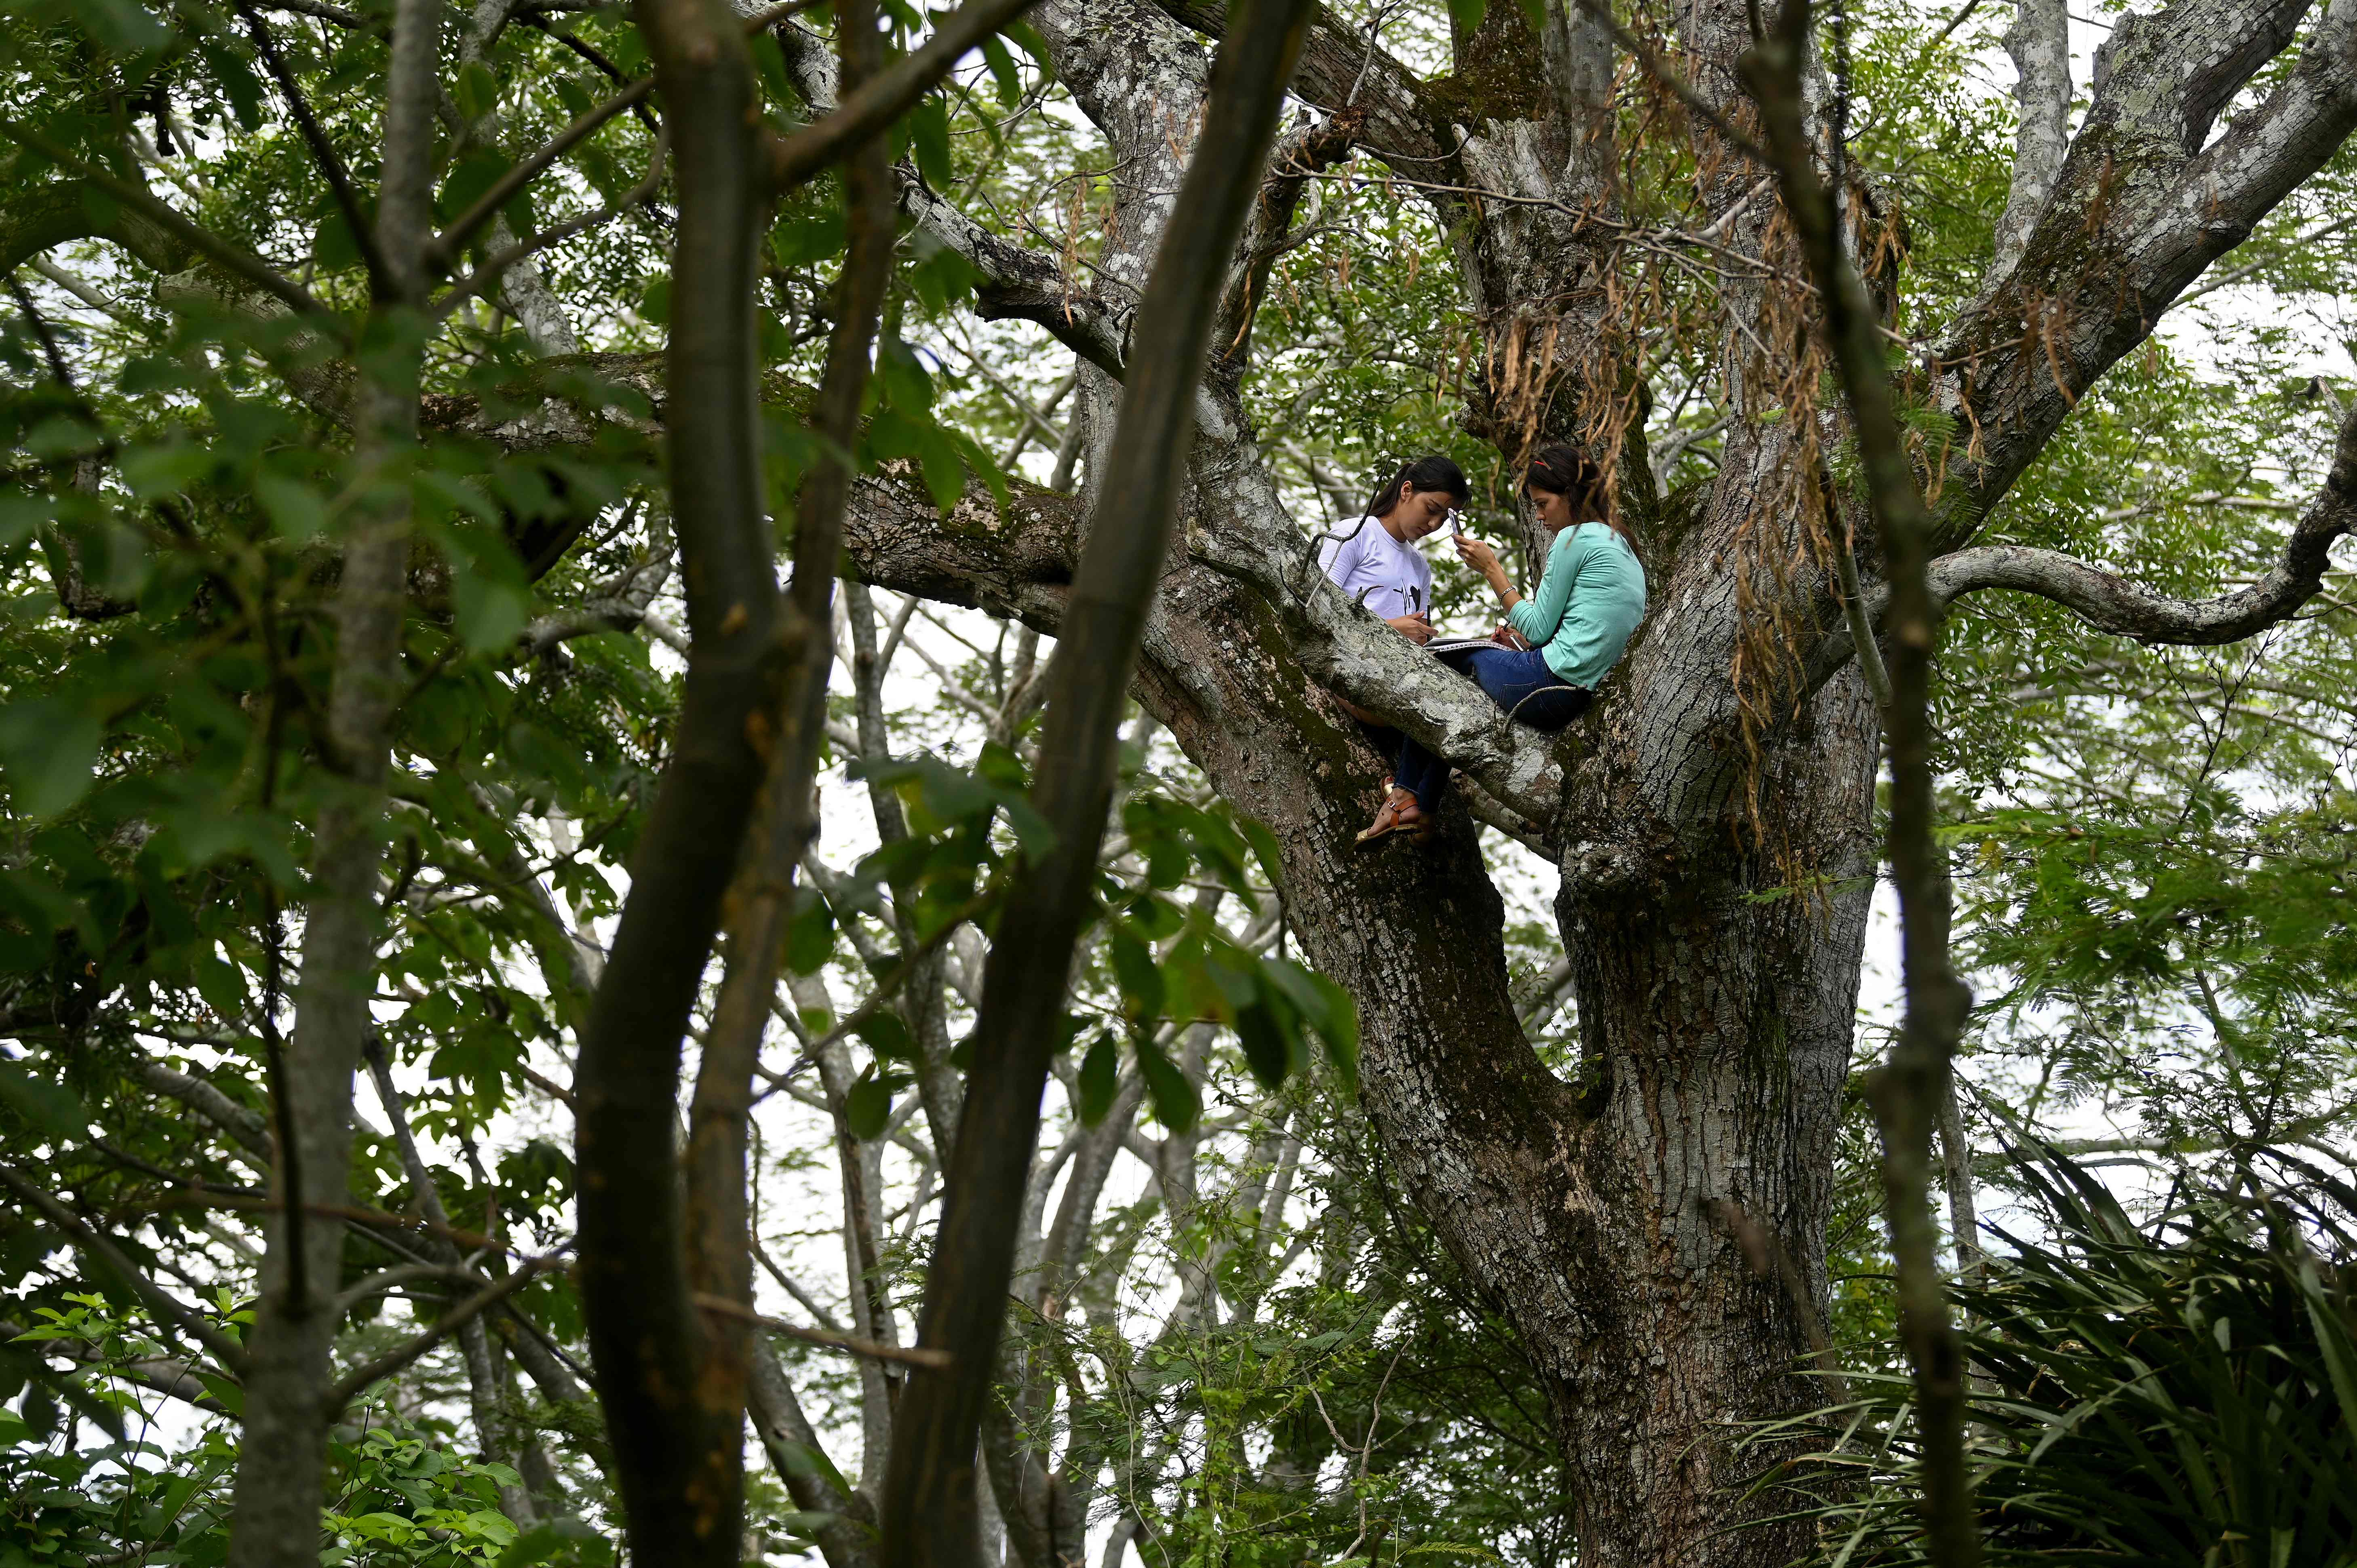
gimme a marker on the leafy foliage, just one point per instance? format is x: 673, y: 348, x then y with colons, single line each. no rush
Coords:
x: 2185, y: 1393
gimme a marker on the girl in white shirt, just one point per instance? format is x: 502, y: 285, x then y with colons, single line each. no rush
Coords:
x: 1378, y: 565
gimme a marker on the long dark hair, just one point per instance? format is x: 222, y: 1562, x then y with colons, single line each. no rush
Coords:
x: 1433, y: 472
x: 1562, y: 470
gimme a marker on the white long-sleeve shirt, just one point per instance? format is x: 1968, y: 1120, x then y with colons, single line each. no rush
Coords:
x: 1395, y: 578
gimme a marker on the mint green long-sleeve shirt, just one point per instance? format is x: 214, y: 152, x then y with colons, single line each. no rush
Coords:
x: 1591, y: 598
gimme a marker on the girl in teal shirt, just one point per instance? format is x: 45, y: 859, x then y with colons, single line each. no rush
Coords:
x: 1591, y: 598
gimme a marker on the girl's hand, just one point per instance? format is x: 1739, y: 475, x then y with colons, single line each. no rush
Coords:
x: 1415, y: 628
x: 1480, y: 556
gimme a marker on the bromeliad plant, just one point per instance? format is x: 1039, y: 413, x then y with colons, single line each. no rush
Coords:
x: 2182, y: 1394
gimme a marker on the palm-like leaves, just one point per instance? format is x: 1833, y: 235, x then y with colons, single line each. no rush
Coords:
x: 2183, y: 1396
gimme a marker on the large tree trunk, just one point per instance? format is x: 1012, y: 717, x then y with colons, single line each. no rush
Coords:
x: 1614, y: 1220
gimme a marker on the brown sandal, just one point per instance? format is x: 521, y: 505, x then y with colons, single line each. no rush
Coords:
x: 1400, y: 814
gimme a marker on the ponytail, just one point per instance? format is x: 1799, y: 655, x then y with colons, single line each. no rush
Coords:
x: 1429, y: 473
x: 1562, y: 470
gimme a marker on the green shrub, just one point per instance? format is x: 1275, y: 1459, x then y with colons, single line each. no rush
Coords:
x: 2185, y: 1393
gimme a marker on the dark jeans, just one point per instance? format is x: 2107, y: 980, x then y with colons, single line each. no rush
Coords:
x: 1517, y: 680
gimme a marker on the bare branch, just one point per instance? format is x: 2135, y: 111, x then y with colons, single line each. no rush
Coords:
x: 100, y: 1250
x: 824, y: 1337
x: 2115, y: 604
x: 357, y: 1381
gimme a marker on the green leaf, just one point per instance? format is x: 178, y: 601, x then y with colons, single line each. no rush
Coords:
x: 1100, y: 1079
x: 868, y: 1108
x: 808, y: 237
x: 49, y: 747
x: 1265, y: 849
x: 1141, y: 981
x: 166, y: 468
x: 1465, y: 15
x: 333, y: 248
x: 238, y: 83
x: 51, y: 1109
x: 1272, y: 1042
x: 1003, y: 71
x: 810, y: 940
x: 902, y: 381
x: 221, y: 985
x: 887, y: 1037
x: 297, y: 510
x: 477, y: 91
x: 1027, y: 39
x: 1175, y: 1103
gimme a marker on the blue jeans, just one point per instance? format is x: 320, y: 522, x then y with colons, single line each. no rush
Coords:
x: 1518, y: 681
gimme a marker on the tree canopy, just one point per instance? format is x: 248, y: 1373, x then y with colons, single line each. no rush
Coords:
x: 367, y: 541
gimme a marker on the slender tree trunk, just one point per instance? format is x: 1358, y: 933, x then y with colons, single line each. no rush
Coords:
x: 277, y: 1494
x: 930, y: 1505
x: 678, y: 1462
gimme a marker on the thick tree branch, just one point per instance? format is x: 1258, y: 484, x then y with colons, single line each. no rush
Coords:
x: 848, y: 1538
x: 1298, y: 155
x: 679, y: 1456
x: 1019, y: 283
x: 2144, y: 203
x: 2115, y: 604
x: 279, y: 1485
x: 2039, y: 43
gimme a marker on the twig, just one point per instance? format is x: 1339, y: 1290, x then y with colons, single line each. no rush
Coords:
x: 457, y: 1317
x: 214, y: 249
x: 907, y: 1354
x: 444, y: 247
x: 323, y: 153
x: 491, y: 272
x: 224, y: 1350
x: 401, y: 1274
